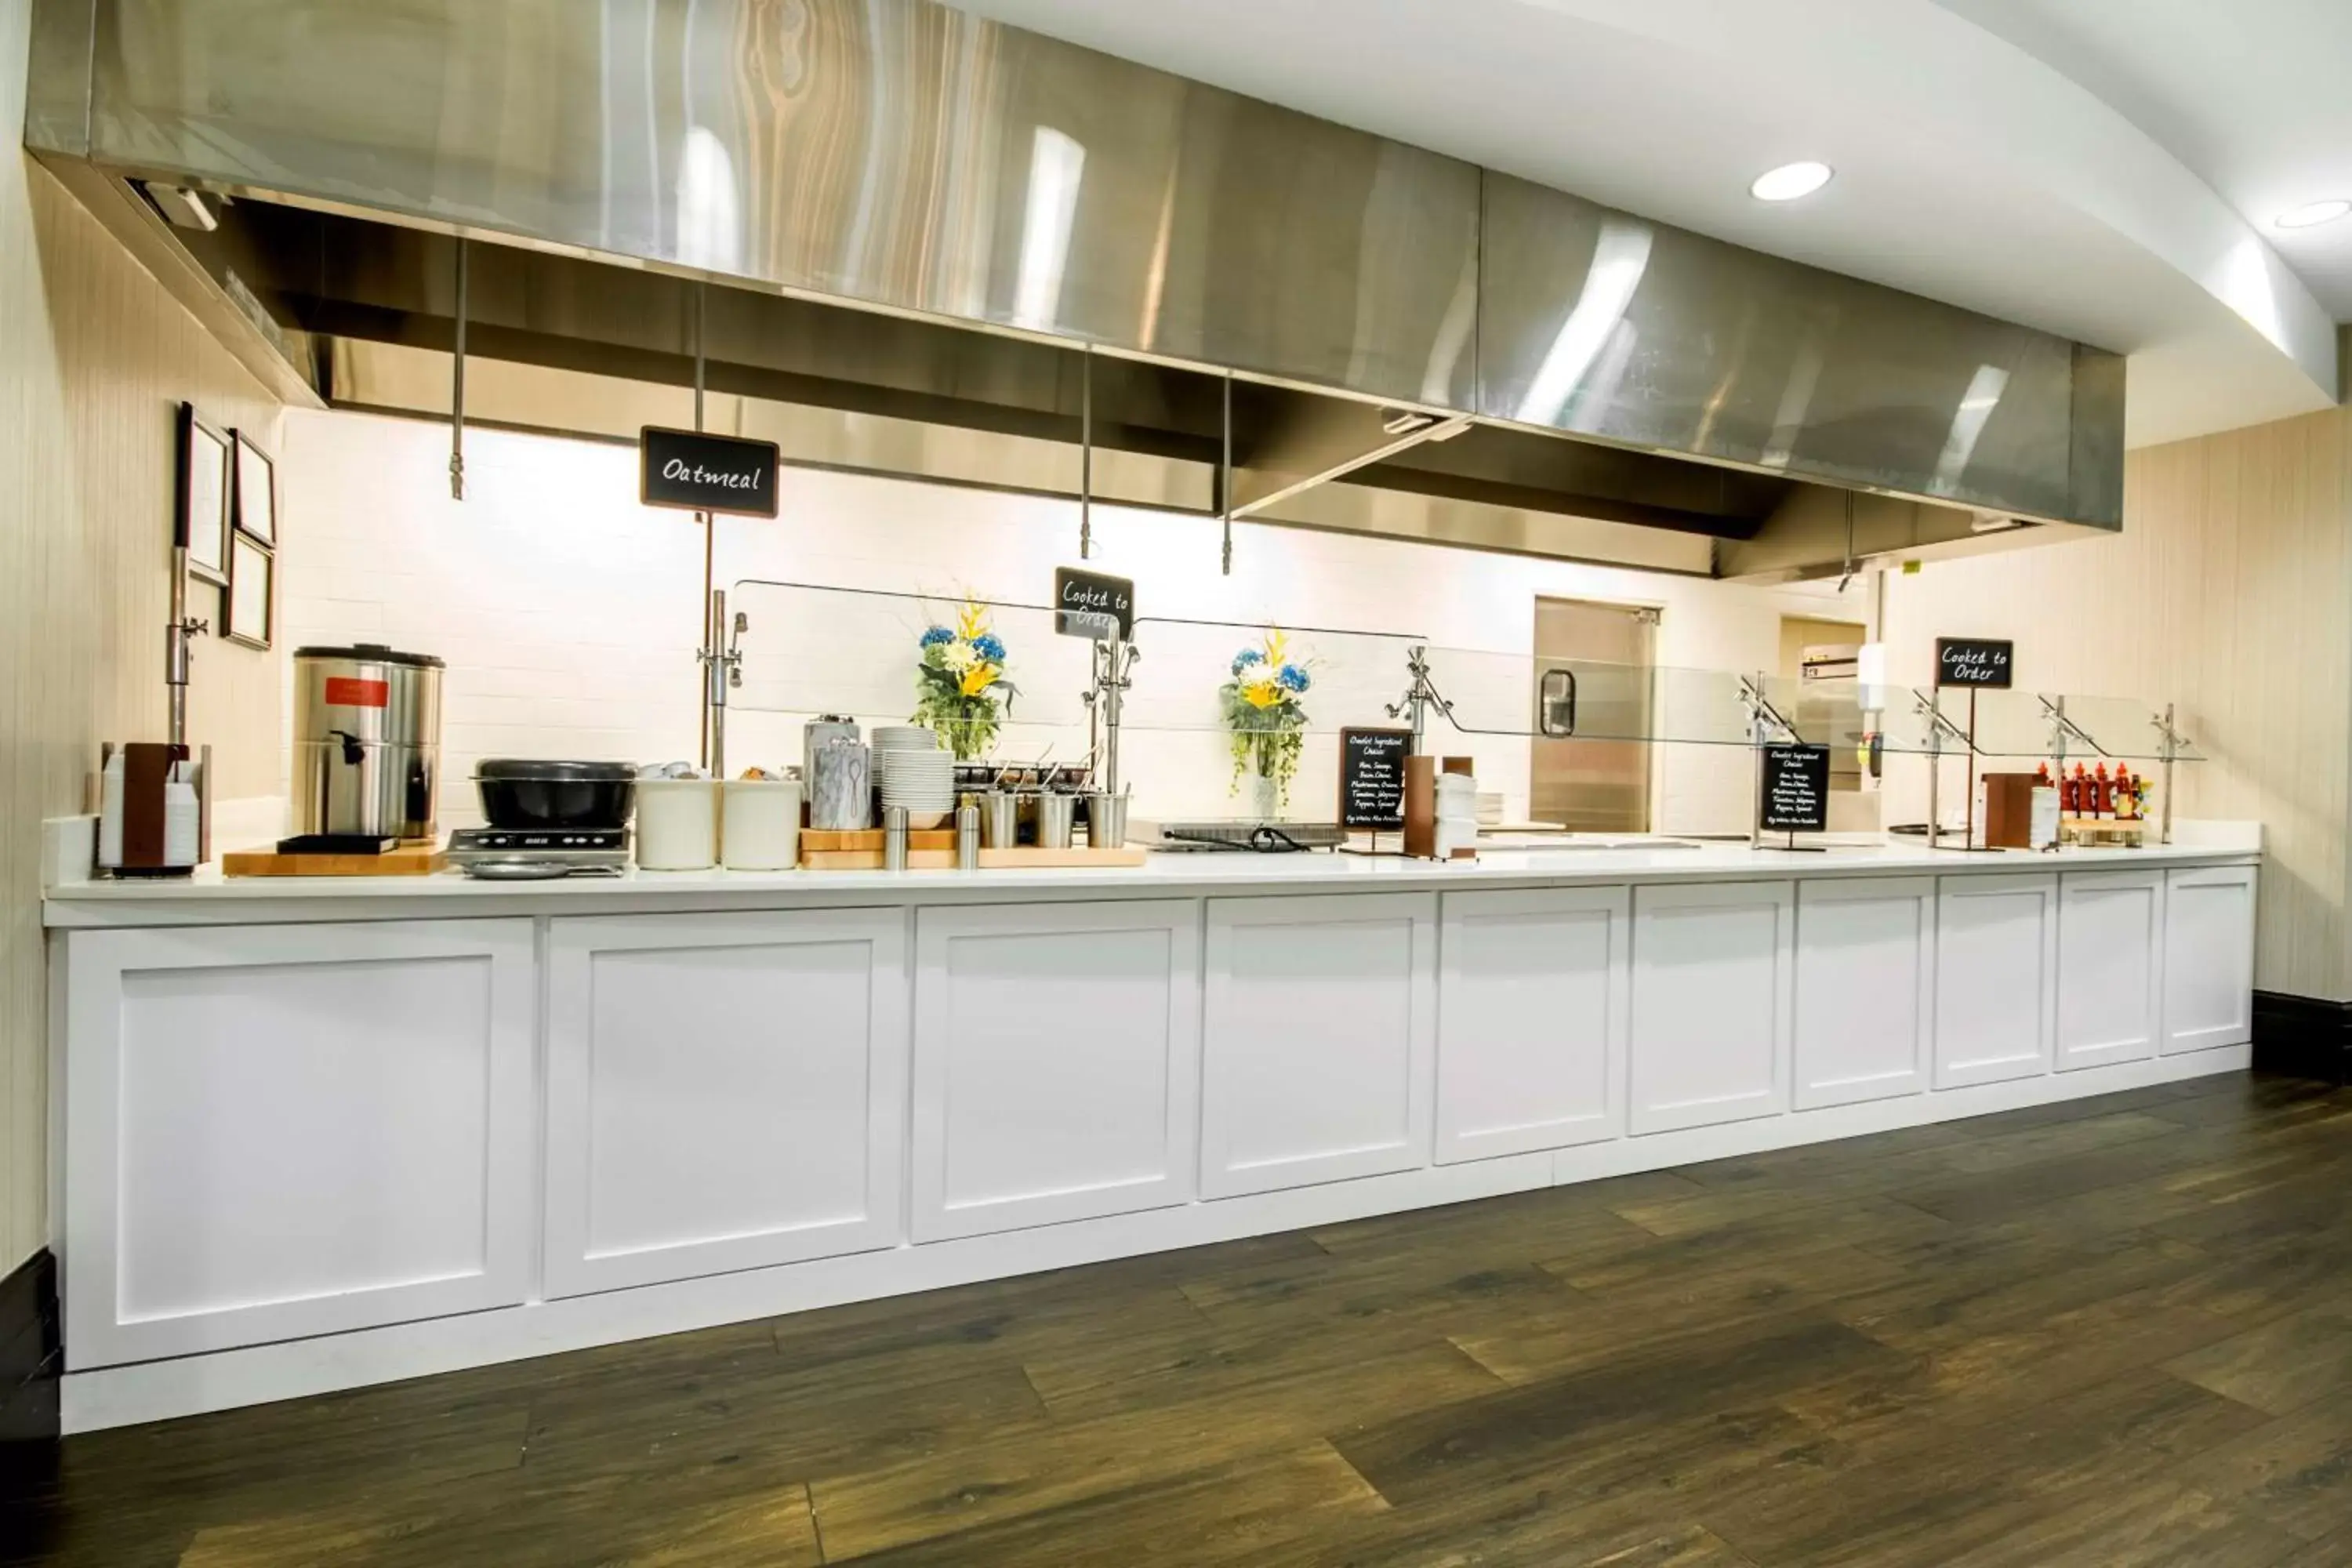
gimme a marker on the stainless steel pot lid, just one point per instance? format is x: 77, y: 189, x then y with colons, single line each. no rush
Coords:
x: 371, y: 653
x: 538, y: 770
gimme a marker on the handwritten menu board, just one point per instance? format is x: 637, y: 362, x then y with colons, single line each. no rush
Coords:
x: 695, y: 472
x: 1091, y: 605
x: 1796, y: 790
x: 1974, y: 661
x: 1371, y: 778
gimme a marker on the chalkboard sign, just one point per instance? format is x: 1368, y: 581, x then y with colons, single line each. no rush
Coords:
x: 1796, y: 790
x: 1371, y: 778
x: 1090, y: 604
x: 1974, y: 661
x: 705, y: 473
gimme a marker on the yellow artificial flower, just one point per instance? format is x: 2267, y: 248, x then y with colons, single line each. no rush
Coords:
x: 1262, y: 693
x: 971, y: 621
x: 1275, y: 644
x: 979, y: 678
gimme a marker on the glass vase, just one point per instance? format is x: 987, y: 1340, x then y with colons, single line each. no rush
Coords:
x: 1261, y: 798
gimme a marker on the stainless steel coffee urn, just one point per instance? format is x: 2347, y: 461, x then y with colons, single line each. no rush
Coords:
x: 367, y: 741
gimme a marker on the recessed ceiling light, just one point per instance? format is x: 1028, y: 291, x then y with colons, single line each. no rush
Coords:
x: 2314, y: 215
x: 1789, y: 181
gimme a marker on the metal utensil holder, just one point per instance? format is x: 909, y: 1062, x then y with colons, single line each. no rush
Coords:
x: 1105, y: 821
x: 1057, y: 820
x: 1000, y: 819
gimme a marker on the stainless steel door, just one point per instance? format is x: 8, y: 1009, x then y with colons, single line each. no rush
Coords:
x: 1596, y: 681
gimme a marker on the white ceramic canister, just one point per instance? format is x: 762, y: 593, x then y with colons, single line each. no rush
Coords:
x: 677, y: 824
x: 762, y: 827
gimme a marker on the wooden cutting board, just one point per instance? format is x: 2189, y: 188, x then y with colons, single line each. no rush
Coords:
x: 842, y: 841
x: 1029, y: 858
x: 408, y: 860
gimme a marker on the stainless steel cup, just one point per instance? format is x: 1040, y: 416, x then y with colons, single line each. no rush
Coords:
x: 1105, y: 821
x: 1000, y: 819
x: 894, y: 838
x: 1057, y: 821
x: 967, y: 821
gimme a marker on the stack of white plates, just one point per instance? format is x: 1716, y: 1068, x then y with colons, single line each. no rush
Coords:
x: 905, y: 738
x: 889, y: 740
x: 919, y: 777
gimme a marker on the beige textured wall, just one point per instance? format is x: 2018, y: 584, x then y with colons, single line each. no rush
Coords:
x: 94, y: 359
x: 2229, y: 593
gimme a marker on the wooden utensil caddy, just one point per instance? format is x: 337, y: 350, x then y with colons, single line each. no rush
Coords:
x: 1421, y: 805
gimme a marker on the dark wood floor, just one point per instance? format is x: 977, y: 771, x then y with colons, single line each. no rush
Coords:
x: 2114, y: 1332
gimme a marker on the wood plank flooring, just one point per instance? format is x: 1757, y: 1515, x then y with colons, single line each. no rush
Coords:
x: 2117, y: 1331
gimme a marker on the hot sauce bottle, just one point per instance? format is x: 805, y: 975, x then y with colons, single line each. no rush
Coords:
x: 2102, y: 798
x: 2126, y: 794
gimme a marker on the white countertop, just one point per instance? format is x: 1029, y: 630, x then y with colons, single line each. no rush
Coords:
x: 208, y: 899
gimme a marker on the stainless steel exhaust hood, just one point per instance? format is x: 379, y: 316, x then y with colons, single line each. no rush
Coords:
x: 899, y: 224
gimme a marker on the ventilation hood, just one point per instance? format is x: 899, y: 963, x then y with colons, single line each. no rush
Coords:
x: 910, y: 241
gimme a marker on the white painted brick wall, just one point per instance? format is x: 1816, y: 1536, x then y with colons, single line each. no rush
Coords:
x: 569, y: 615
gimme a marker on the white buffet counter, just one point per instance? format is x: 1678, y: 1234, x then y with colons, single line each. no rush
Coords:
x: 318, y: 1133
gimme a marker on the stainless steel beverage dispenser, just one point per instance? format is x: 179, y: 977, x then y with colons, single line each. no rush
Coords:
x: 367, y: 741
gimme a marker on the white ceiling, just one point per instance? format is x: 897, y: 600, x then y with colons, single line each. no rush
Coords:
x: 1980, y: 158
x: 2255, y: 96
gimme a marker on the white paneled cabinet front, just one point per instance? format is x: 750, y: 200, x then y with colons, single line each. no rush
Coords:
x: 1866, y: 988
x: 1531, y: 1000
x: 1713, y: 978
x: 1996, y: 977
x: 276, y: 1132
x: 1319, y: 1030
x: 2209, y: 958
x: 2110, y: 968
x: 1057, y: 1062
x: 724, y: 1091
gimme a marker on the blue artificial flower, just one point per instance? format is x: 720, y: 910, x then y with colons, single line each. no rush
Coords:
x: 1247, y: 656
x: 990, y: 647
x: 937, y: 636
x: 1292, y: 677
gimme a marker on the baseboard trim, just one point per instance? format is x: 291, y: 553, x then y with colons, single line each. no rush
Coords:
x: 2302, y: 1037
x: 29, y: 1326
x: 100, y: 1397
x: 32, y: 1360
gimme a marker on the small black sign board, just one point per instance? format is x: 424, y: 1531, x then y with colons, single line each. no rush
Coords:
x: 1974, y: 661
x: 1796, y: 798
x: 1091, y: 605
x: 1371, y: 778
x: 695, y: 472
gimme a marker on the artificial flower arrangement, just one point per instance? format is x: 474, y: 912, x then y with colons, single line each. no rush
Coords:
x: 960, y: 680
x: 1264, y: 714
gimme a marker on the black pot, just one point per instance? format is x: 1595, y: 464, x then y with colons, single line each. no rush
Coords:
x: 521, y: 794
